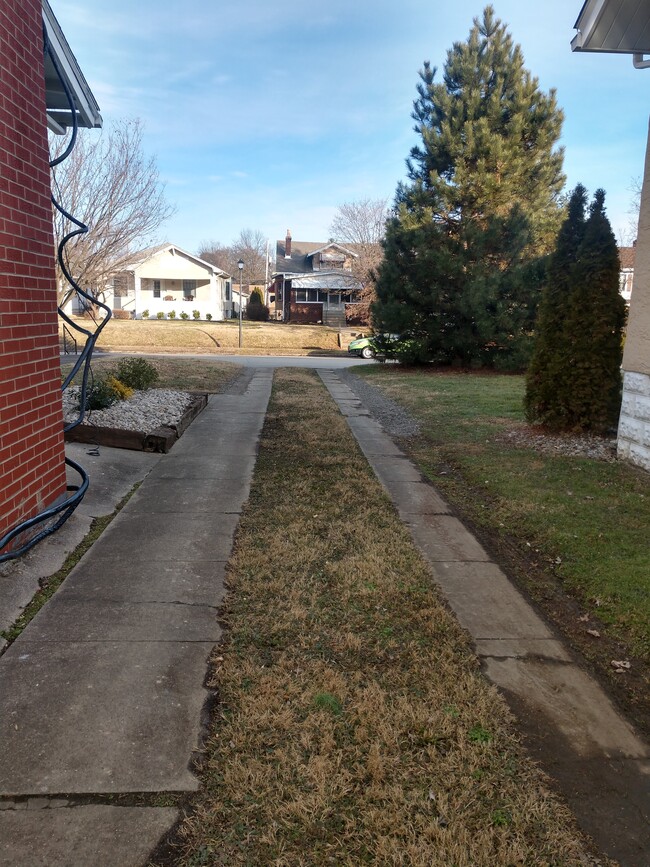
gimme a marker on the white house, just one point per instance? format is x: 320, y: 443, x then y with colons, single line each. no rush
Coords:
x: 167, y: 279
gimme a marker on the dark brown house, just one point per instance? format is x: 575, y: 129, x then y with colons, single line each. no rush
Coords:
x: 313, y: 282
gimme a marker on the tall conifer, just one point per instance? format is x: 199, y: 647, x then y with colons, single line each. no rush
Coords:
x: 594, y: 328
x: 546, y: 390
x: 481, y: 205
x: 574, y: 379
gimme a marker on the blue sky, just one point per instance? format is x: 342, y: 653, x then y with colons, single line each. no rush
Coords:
x: 267, y: 115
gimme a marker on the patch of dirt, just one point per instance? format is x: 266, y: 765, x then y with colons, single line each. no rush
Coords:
x: 581, y: 629
x: 628, y: 687
x: 571, y: 445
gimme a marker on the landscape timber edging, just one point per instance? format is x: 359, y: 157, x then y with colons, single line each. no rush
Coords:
x: 159, y: 440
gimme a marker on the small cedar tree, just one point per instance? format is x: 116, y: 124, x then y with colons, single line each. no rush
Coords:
x: 594, y: 328
x: 545, y: 387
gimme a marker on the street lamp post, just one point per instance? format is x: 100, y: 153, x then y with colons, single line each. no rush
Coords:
x: 240, y: 265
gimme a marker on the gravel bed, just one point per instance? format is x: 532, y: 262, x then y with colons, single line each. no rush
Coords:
x: 394, y: 419
x: 144, y: 411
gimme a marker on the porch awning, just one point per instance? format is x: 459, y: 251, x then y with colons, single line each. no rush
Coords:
x: 618, y: 26
x: 330, y: 282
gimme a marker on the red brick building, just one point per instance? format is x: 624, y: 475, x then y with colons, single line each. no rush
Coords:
x: 32, y: 468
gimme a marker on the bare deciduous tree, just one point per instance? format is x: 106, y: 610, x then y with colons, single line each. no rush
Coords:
x: 109, y: 184
x: 216, y: 254
x: 362, y: 224
x: 249, y: 246
x: 629, y: 236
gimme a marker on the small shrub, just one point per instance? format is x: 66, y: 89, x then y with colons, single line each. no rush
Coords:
x: 257, y: 312
x: 160, y: 315
x: 144, y: 314
x: 122, y: 391
x: 100, y: 395
x: 256, y: 297
x: 208, y: 316
x: 137, y: 373
x: 196, y: 314
x: 171, y: 314
x: 184, y: 315
x: 121, y: 314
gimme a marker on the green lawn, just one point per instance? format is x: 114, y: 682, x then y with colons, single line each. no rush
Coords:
x: 587, y: 520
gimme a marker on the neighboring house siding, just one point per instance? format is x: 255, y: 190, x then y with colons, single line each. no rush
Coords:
x: 32, y: 469
x: 626, y: 276
x: 634, y: 425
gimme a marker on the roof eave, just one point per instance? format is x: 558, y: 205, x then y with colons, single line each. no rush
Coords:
x: 59, y: 114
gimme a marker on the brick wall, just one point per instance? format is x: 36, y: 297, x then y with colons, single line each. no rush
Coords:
x: 305, y: 314
x: 32, y: 470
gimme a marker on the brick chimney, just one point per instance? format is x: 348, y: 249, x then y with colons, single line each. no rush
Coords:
x: 287, y: 245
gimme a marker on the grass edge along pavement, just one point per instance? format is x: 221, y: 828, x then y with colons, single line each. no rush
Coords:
x: 50, y: 585
x: 571, y: 529
x: 354, y: 725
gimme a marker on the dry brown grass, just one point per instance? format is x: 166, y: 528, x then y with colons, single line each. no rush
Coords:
x: 138, y: 335
x: 183, y: 374
x: 354, y: 725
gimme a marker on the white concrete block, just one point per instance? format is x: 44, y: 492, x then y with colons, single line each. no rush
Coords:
x: 642, y: 409
x: 640, y: 456
x: 630, y: 429
x: 638, y: 383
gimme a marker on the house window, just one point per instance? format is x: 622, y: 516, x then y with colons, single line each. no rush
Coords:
x: 309, y: 296
x: 156, y: 288
x: 189, y: 290
x: 228, y: 295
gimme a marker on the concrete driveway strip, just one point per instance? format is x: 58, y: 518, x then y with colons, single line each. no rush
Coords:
x: 600, y: 763
x: 104, y: 691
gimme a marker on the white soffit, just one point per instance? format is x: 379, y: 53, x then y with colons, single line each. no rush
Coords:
x: 616, y: 26
x: 59, y: 115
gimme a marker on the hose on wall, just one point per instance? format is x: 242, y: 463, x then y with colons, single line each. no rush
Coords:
x: 51, y: 519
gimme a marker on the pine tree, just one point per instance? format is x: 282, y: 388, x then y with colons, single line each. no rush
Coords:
x: 546, y: 388
x: 481, y: 205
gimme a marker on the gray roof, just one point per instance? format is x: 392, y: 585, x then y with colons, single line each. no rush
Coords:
x: 335, y: 281
x: 299, y: 262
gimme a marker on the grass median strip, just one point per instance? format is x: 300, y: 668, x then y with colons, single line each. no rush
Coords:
x: 354, y: 726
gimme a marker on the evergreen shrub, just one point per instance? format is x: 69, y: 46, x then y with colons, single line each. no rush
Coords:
x: 137, y: 373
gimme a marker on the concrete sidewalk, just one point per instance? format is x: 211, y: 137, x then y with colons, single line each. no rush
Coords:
x: 600, y: 763
x: 103, y: 692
